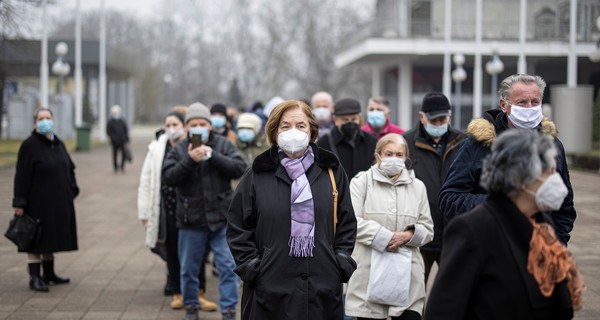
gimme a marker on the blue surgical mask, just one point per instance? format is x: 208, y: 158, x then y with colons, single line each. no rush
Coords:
x: 45, y: 126
x: 246, y: 135
x: 217, y: 121
x: 116, y: 116
x: 203, y: 131
x: 376, y: 118
x: 436, y: 131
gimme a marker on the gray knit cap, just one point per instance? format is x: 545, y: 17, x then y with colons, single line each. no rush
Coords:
x: 197, y: 110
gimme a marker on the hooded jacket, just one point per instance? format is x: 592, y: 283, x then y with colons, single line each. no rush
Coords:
x: 278, y: 286
x: 461, y: 191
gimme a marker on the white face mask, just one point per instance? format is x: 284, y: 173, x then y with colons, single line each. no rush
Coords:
x: 551, y: 193
x: 392, y: 166
x: 292, y: 141
x: 525, y: 118
x: 322, y: 114
x: 175, y: 134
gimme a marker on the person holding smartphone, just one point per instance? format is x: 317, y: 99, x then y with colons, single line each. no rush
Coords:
x: 201, y: 168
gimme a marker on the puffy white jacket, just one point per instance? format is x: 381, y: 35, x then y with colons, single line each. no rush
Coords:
x: 381, y: 208
x: 148, y: 201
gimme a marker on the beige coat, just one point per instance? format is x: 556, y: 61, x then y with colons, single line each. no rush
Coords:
x: 148, y: 201
x: 381, y: 208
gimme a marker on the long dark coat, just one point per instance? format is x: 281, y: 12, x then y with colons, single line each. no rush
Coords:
x: 276, y: 285
x: 117, y: 132
x: 432, y: 168
x: 45, y: 187
x: 354, y: 159
x: 483, y: 271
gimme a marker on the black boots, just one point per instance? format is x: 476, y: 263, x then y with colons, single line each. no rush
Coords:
x: 191, y: 312
x: 49, y: 276
x: 35, y: 281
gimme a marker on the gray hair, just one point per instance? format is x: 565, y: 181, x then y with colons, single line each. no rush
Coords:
x: 380, y: 100
x: 321, y: 94
x: 506, y: 84
x: 518, y: 157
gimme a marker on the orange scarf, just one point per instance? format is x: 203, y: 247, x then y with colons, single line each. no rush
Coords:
x: 550, y: 262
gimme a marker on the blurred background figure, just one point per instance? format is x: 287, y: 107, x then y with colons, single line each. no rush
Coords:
x: 378, y: 118
x: 433, y: 145
x: 393, y: 221
x: 322, y: 107
x: 221, y: 122
x: 502, y: 259
x: 44, y: 188
x: 250, y: 140
x: 354, y: 147
x: 117, y: 131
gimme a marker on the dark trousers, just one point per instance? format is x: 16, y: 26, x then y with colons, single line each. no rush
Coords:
x: 115, y: 149
x: 429, y: 257
x: 406, y: 315
x: 171, y: 244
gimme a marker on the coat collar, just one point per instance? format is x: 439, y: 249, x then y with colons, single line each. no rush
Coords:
x: 44, y: 139
x: 269, y: 160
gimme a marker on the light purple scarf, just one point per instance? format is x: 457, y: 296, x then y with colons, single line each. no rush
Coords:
x: 302, y: 237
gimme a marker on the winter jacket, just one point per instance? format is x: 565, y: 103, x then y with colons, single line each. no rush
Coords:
x: 432, y: 168
x: 382, y: 208
x: 276, y: 285
x: 203, y: 188
x: 461, y: 191
x: 353, y: 159
x: 117, y: 132
x: 148, y: 201
x: 45, y: 187
x: 483, y: 271
x: 389, y: 127
x: 249, y: 151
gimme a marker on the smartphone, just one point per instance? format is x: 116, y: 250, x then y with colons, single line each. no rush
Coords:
x: 196, y: 140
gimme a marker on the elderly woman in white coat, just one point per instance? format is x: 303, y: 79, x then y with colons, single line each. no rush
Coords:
x: 393, y: 222
x: 157, y: 201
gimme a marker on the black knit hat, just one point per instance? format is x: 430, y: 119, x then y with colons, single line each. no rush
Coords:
x: 346, y: 106
x: 218, y: 107
x: 435, y: 104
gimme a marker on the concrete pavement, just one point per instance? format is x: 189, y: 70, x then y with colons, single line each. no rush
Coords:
x: 114, y: 276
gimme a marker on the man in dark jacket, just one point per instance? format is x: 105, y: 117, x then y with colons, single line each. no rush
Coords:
x: 354, y: 147
x: 202, y: 176
x: 520, y: 102
x: 116, y: 128
x: 432, y: 146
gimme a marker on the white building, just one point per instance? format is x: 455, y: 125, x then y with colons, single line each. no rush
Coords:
x: 410, y: 45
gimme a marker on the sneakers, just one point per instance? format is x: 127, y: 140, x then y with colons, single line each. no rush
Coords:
x: 229, y: 313
x: 206, y: 305
x: 191, y: 312
x: 177, y: 302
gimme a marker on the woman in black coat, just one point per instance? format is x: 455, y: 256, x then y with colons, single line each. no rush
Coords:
x: 291, y: 254
x: 44, y: 188
x: 502, y: 260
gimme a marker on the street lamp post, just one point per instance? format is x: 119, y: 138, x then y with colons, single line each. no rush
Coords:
x: 494, y: 67
x: 60, y: 67
x: 458, y: 75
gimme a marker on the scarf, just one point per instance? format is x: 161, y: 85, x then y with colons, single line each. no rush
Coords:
x: 302, y: 236
x: 550, y: 263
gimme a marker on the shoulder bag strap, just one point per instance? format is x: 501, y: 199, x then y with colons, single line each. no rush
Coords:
x: 335, y: 199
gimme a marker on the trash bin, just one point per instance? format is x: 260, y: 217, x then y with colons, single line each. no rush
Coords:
x: 83, y: 138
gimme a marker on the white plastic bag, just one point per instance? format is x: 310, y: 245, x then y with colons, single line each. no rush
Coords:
x: 389, y: 278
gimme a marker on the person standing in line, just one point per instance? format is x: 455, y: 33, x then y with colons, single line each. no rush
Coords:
x: 44, y: 188
x: 502, y: 260
x: 291, y: 239
x: 322, y: 108
x: 521, y: 98
x: 201, y: 168
x: 433, y: 145
x: 222, y: 122
x: 354, y: 147
x: 393, y: 220
x: 378, y: 118
x: 116, y: 128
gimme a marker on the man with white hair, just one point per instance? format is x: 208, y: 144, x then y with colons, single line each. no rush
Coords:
x: 521, y: 98
x: 322, y: 106
x: 116, y: 128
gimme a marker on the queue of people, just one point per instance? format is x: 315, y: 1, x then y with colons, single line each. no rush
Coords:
x: 322, y: 214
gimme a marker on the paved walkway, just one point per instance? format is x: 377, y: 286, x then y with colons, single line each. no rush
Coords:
x: 114, y: 276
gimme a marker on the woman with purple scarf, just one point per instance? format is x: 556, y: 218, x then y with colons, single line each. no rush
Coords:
x: 292, y: 249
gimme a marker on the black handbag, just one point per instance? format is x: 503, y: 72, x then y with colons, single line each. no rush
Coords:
x: 24, y: 231
x: 128, y: 155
